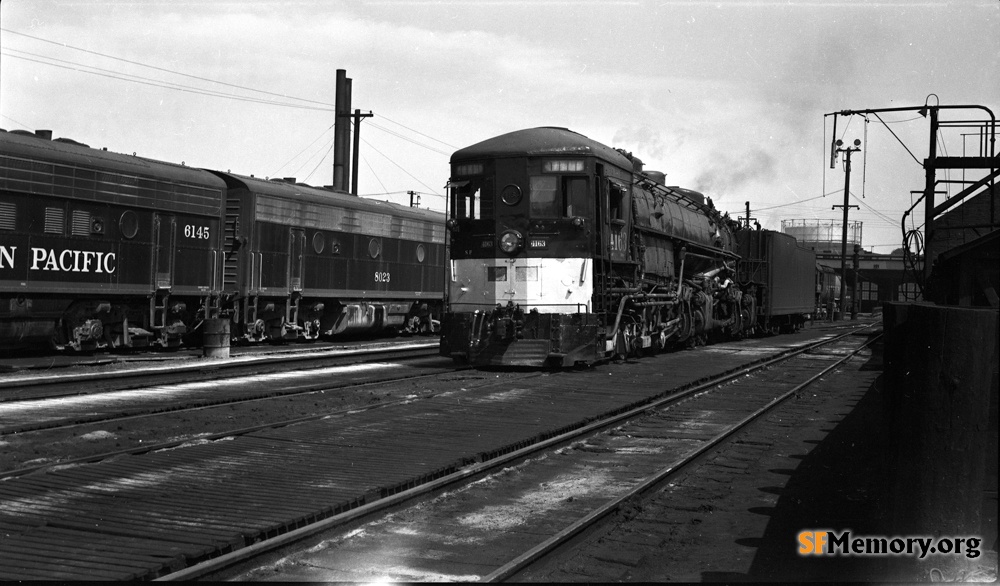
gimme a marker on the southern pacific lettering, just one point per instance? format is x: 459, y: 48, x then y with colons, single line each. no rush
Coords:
x: 66, y: 260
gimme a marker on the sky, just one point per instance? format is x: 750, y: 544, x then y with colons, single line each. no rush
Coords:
x: 728, y: 97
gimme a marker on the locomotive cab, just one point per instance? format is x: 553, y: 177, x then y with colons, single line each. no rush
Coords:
x: 562, y: 251
x: 525, y: 227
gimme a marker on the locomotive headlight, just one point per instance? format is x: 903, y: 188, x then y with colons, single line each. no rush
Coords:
x: 510, y: 242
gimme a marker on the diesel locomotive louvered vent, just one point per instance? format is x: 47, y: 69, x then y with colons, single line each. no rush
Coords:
x: 81, y: 223
x: 8, y: 216
x: 55, y: 220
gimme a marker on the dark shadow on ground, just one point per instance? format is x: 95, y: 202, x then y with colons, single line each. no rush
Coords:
x: 838, y: 485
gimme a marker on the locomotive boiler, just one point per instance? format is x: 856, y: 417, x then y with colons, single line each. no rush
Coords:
x: 563, y: 251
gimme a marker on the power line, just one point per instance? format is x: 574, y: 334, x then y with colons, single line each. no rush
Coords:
x: 161, y: 68
x: 785, y: 205
x: 166, y: 85
x: 200, y: 90
x: 323, y: 158
x: 396, y: 134
x: 275, y: 174
x: 372, y: 169
x: 93, y: 70
x: 21, y: 124
x: 873, y: 210
x: 420, y: 133
x: 394, y: 163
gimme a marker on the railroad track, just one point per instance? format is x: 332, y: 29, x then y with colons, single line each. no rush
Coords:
x: 284, y: 478
x: 36, y: 384
x: 544, y: 496
x: 228, y: 407
x: 47, y: 402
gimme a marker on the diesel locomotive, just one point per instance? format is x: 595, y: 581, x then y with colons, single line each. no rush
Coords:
x: 564, y: 251
x: 100, y: 249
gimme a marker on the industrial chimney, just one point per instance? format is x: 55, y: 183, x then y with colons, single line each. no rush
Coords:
x: 342, y: 133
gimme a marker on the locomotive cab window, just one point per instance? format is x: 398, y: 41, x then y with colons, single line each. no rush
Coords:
x: 575, y: 200
x: 467, y: 201
x: 542, y: 198
x: 552, y: 196
x: 616, y: 201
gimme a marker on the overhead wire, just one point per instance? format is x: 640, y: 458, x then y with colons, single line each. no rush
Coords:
x: 154, y: 83
x: 418, y: 132
x: 161, y: 68
x: 275, y: 174
x: 372, y: 169
x: 397, y: 165
x: 407, y: 139
x: 94, y: 70
x: 21, y: 124
x: 321, y: 160
x: 784, y: 205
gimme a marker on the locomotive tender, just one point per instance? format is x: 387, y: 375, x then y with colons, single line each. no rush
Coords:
x: 563, y: 251
x: 99, y: 249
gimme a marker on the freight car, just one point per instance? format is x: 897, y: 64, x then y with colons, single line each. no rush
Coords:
x: 99, y: 249
x: 779, y: 275
x: 564, y: 251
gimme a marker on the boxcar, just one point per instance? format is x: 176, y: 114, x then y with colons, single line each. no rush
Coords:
x: 780, y: 274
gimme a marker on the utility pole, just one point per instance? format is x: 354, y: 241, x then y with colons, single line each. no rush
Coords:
x: 843, y: 244
x: 414, y: 199
x: 748, y: 218
x: 358, y: 116
x: 855, y: 302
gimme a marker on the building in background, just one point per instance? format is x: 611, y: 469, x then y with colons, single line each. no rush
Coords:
x: 879, y: 277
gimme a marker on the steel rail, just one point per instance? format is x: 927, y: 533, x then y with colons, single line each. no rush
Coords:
x: 548, y: 546
x: 222, y: 434
x: 198, y: 366
x: 206, y: 403
x: 486, y: 466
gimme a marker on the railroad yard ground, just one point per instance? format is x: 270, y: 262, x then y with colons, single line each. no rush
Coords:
x: 815, y: 463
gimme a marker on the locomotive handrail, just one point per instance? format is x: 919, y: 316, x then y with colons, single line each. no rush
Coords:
x: 720, y: 251
x: 534, y: 305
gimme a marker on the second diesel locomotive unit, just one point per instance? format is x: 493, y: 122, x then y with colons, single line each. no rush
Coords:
x: 100, y: 249
x: 563, y: 251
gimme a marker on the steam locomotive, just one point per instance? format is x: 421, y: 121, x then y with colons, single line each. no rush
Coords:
x: 100, y: 249
x: 563, y: 251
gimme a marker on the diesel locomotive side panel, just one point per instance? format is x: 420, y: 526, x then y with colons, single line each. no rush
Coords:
x: 95, y: 244
x: 316, y: 262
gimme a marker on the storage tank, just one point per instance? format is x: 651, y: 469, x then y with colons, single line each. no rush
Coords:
x: 823, y: 236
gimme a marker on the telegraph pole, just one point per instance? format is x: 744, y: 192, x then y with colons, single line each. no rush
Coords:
x: 358, y: 116
x: 843, y: 244
x: 748, y: 218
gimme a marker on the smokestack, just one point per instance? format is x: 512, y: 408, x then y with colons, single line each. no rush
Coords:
x: 341, y: 120
x: 347, y: 135
x: 44, y: 134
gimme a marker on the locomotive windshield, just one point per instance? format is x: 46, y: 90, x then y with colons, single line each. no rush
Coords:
x: 552, y: 196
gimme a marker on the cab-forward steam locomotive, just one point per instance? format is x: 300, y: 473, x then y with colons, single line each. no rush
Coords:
x: 563, y: 251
